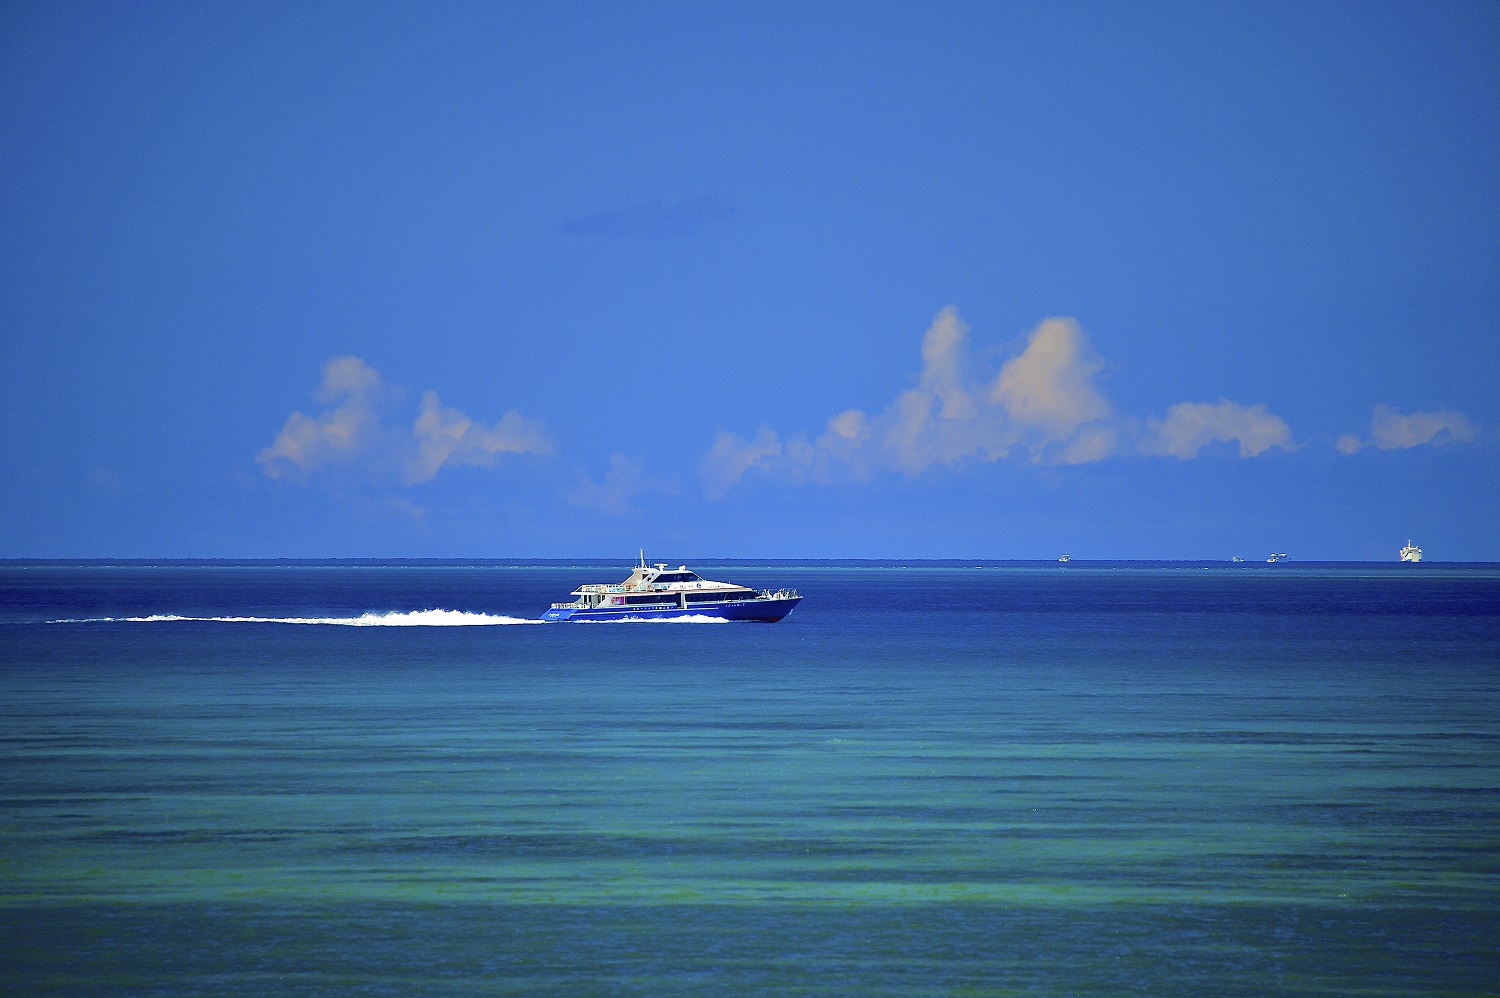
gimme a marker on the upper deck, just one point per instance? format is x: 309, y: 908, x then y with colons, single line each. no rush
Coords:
x: 659, y: 579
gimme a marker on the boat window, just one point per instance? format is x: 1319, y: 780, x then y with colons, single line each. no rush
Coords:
x: 667, y: 577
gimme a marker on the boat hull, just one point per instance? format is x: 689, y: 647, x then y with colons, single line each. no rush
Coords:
x: 765, y: 611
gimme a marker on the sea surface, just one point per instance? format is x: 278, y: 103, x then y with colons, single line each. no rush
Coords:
x: 931, y: 779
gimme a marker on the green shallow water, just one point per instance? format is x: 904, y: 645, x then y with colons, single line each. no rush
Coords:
x: 1135, y: 787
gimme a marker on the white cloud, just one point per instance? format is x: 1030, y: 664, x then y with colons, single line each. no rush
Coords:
x: 943, y: 357
x: 623, y: 482
x: 731, y: 456
x: 336, y: 436
x: 1348, y: 443
x: 1390, y: 430
x: 353, y: 436
x: 445, y: 436
x: 349, y: 376
x: 1038, y: 406
x: 1043, y: 406
x: 1191, y: 426
x: 1093, y: 442
x: 1049, y: 388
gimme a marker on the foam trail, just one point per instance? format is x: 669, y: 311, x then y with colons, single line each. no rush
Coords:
x: 395, y: 618
x: 691, y: 618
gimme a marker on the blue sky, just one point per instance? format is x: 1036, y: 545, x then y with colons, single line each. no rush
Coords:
x: 830, y: 280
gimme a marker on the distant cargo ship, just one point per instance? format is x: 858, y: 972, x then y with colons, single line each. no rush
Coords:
x: 1411, y: 552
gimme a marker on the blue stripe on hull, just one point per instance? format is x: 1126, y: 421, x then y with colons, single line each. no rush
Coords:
x: 766, y: 611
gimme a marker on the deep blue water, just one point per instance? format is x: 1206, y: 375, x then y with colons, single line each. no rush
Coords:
x: 929, y: 779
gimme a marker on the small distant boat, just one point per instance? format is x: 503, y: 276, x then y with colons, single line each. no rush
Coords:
x: 1065, y: 558
x: 1276, y: 557
x: 1236, y: 559
x: 1411, y: 552
x: 656, y: 593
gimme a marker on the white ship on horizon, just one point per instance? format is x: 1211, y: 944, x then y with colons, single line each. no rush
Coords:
x: 1411, y: 552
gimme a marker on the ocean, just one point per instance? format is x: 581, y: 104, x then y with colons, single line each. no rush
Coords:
x: 931, y: 779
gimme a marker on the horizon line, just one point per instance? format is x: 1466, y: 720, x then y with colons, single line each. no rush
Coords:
x: 520, y: 561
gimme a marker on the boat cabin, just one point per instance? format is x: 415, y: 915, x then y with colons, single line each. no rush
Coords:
x: 658, y: 586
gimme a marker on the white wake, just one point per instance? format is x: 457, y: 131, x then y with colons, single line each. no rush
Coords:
x: 691, y: 618
x: 395, y: 618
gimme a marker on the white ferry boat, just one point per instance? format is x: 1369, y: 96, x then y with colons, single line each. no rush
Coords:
x: 655, y: 592
x: 1276, y: 557
x: 1411, y: 552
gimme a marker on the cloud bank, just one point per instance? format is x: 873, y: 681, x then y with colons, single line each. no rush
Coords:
x: 1043, y: 406
x: 351, y: 435
x: 1390, y: 430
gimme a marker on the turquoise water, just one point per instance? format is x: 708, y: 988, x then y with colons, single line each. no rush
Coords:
x: 931, y: 779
